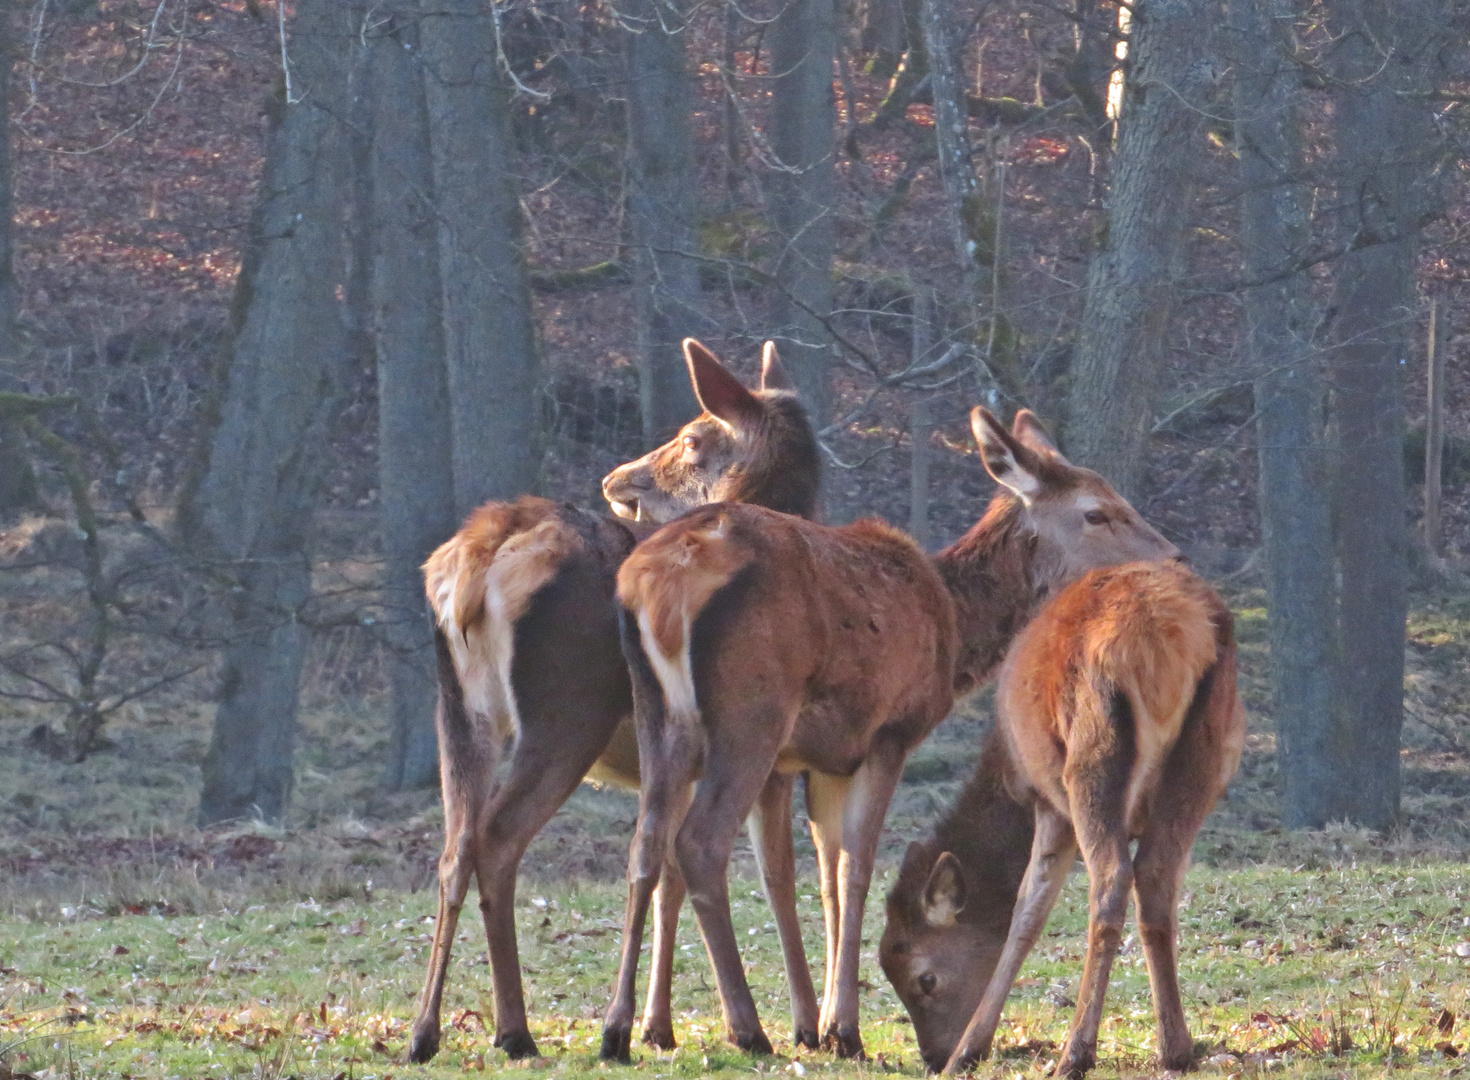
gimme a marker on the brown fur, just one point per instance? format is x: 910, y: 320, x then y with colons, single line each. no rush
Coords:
x: 529, y: 656
x: 1118, y: 721
x: 777, y: 643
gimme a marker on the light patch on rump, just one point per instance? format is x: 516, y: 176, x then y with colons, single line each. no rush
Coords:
x: 665, y: 583
x: 479, y: 586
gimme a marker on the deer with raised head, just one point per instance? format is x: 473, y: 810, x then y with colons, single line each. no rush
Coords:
x: 527, y: 640
x: 759, y: 642
x: 1117, y: 721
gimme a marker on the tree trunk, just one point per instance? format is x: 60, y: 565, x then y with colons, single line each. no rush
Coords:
x: 9, y: 287
x: 664, y: 186
x: 963, y: 199
x: 489, y: 332
x: 802, y: 121
x: 1290, y: 396
x: 1133, y: 279
x: 415, y: 452
x: 283, y: 389
x: 1387, y: 144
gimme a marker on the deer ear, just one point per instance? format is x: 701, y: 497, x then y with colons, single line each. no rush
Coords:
x: 717, y: 390
x: 1011, y: 464
x: 944, y: 895
x: 773, y: 374
x: 1029, y: 431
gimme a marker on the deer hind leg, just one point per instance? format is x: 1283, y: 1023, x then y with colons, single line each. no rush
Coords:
x: 456, y: 865
x: 770, y: 829
x: 826, y: 799
x: 658, y: 1010
x: 1097, y: 779
x: 740, y: 757
x: 668, y: 752
x: 542, y: 777
x: 862, y: 825
x: 1053, y: 852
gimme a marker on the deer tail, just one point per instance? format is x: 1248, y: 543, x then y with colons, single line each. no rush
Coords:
x: 479, y: 583
x: 664, y: 585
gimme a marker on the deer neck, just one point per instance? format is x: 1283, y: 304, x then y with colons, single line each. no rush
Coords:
x: 989, y: 572
x: 783, y: 472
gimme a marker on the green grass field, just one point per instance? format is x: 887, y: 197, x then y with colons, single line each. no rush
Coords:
x: 1322, y: 972
x: 132, y: 945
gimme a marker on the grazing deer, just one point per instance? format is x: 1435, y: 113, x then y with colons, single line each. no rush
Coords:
x: 527, y: 640
x: 1118, y: 721
x: 759, y: 642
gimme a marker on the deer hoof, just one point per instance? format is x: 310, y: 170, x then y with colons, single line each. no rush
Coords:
x: 806, y: 1037
x: 516, y: 1044
x: 617, y: 1044
x: 660, y: 1035
x: 754, y: 1043
x: 425, y: 1044
x: 846, y: 1042
x: 1076, y: 1064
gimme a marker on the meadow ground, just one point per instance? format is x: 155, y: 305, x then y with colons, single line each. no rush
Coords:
x: 132, y: 945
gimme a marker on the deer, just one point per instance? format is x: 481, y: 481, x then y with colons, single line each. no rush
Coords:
x: 526, y: 637
x: 1117, y: 722
x: 759, y: 643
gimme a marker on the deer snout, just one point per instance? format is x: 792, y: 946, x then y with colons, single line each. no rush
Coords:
x: 624, y: 487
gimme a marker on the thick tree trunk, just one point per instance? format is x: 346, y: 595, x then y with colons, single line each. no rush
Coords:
x: 1387, y: 143
x: 1133, y: 279
x: 489, y: 333
x: 415, y: 452
x: 9, y: 288
x: 963, y: 201
x: 662, y: 205
x: 1290, y: 395
x: 284, y: 388
x: 803, y: 116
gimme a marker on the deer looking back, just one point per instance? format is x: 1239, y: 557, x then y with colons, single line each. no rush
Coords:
x: 528, y: 654
x: 758, y: 642
x: 1117, y: 720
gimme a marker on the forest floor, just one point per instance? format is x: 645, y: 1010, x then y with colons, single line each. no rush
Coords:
x: 132, y: 944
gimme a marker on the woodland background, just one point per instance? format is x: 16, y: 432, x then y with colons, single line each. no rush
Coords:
x: 288, y: 289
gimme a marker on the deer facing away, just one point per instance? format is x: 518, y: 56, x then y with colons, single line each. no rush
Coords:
x: 1117, y: 721
x: 759, y: 642
x: 527, y: 639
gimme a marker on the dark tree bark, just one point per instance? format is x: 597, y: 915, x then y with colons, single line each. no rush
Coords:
x: 1133, y: 280
x: 802, y: 120
x: 9, y: 288
x: 284, y: 387
x: 1290, y: 396
x: 963, y: 199
x: 415, y: 453
x: 665, y: 183
x: 1387, y: 148
x: 489, y: 333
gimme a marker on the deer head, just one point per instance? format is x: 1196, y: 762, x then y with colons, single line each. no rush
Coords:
x: 746, y: 446
x: 1078, y: 521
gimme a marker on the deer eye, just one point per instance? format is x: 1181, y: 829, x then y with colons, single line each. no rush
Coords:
x: 927, y: 982
x: 1095, y: 517
x: 691, y: 443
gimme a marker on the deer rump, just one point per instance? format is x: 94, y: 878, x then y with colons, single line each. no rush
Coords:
x: 849, y: 622
x: 1110, y: 674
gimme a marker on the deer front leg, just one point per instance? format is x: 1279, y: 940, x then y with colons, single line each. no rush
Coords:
x: 1053, y: 851
x: 770, y: 832
x: 868, y: 799
x: 658, y: 1011
x: 826, y: 800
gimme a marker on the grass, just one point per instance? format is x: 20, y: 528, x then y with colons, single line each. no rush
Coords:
x: 1334, y: 971
x: 133, y: 945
